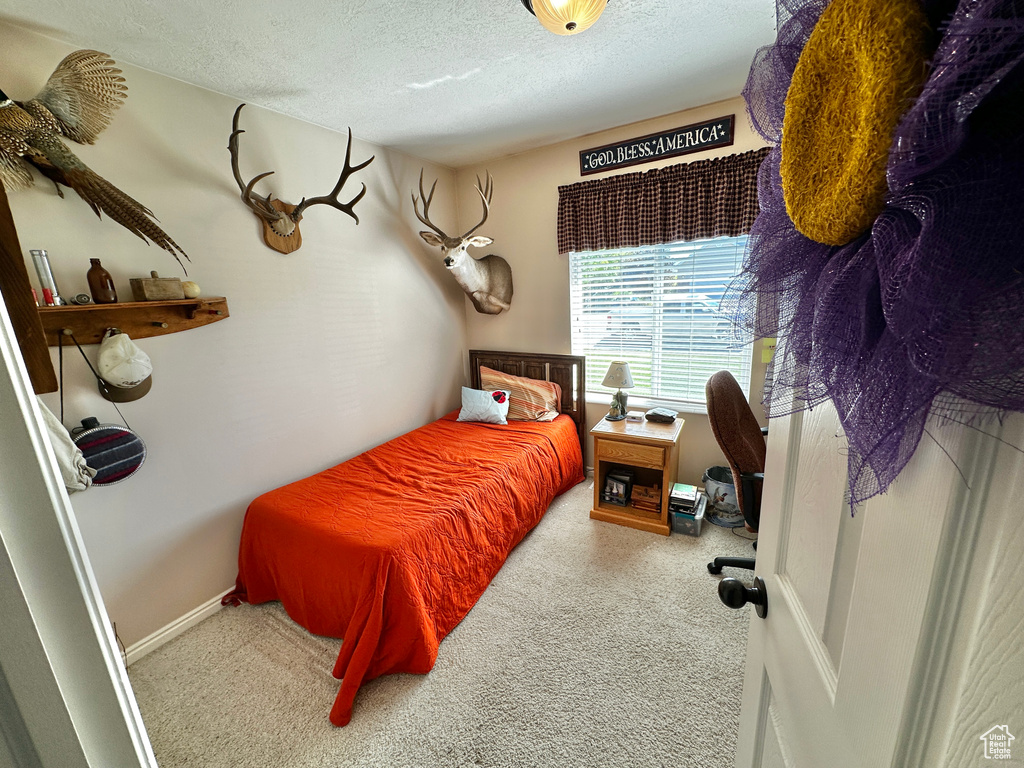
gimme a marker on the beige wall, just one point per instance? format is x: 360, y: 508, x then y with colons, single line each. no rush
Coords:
x: 357, y: 337
x: 523, y: 223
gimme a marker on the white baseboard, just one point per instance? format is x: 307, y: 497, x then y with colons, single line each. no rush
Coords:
x: 136, y: 651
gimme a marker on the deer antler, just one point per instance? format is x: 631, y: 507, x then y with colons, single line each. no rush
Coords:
x: 332, y: 198
x: 485, y: 197
x: 426, y: 205
x: 260, y: 205
x: 283, y: 223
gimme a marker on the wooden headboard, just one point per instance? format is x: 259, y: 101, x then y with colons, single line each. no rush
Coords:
x: 568, y: 371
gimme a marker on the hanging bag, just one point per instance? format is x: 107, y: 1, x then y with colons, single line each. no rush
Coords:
x: 116, y: 453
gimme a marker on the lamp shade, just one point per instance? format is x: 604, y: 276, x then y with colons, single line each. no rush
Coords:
x: 568, y: 17
x: 618, y: 375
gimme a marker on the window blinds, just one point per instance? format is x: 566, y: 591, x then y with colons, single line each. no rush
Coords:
x: 658, y: 308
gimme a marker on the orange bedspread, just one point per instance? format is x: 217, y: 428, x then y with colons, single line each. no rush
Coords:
x: 391, y: 549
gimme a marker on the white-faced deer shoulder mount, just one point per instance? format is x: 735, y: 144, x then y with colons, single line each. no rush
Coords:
x: 487, y: 280
x: 281, y: 219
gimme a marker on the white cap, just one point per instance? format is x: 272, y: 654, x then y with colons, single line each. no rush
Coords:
x: 121, y: 362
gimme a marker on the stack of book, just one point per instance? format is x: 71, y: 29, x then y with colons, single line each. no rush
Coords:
x: 647, y: 498
x: 682, y: 498
x: 618, y: 487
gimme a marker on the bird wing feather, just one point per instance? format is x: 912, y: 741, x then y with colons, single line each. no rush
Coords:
x: 83, y: 93
x: 103, y: 196
x: 14, y: 172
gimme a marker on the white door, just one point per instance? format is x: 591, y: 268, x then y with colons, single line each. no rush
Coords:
x: 893, y: 637
x: 65, y: 699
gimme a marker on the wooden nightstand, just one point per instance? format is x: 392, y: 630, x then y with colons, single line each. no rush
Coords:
x: 652, y: 451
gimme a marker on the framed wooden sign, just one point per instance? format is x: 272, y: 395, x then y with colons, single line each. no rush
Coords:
x: 655, y: 146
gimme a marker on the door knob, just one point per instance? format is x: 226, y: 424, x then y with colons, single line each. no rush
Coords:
x: 735, y: 594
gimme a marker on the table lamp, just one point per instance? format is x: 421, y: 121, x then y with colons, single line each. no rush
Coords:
x: 618, y: 376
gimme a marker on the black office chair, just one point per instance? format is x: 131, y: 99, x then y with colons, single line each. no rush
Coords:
x: 742, y: 440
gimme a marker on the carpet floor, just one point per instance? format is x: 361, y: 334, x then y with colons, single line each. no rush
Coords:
x: 595, y: 645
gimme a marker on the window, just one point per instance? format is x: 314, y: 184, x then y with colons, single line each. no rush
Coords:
x: 657, y: 307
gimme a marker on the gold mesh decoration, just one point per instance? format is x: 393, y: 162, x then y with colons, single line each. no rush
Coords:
x: 568, y: 17
x: 862, y: 67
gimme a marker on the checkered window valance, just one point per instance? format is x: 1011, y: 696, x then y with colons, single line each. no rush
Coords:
x: 689, y: 201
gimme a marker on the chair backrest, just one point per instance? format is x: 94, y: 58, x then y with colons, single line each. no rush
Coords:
x: 739, y: 436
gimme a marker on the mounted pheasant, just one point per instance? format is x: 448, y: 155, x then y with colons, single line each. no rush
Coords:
x: 77, y: 103
x: 487, y: 280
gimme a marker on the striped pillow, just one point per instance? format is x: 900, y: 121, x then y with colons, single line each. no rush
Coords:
x: 531, y: 399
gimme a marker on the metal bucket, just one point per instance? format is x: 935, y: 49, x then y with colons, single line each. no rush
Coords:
x: 723, y: 507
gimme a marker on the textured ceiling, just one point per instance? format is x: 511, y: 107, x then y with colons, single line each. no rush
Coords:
x: 453, y: 81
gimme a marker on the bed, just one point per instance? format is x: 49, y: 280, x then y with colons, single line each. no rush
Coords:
x: 389, y: 550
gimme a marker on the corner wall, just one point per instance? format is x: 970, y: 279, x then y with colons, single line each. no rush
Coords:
x: 523, y: 223
x: 357, y: 337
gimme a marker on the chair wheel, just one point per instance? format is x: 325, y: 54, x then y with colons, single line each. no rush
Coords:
x: 714, y: 569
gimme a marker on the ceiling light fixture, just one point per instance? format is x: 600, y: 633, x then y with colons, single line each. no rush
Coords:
x: 566, y: 17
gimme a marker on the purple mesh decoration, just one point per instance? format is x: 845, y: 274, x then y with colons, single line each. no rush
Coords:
x: 923, y: 315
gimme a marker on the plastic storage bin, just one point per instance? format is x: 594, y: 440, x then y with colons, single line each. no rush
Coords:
x: 687, y: 523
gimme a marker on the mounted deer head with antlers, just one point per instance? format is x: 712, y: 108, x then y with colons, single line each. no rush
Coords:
x: 281, y: 219
x: 487, y: 280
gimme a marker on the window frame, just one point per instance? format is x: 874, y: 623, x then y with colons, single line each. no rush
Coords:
x: 655, y: 274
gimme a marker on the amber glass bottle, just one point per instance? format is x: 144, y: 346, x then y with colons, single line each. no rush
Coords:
x: 101, y: 284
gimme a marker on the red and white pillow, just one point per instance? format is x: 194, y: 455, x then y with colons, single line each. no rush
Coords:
x: 530, y: 399
x: 483, y: 406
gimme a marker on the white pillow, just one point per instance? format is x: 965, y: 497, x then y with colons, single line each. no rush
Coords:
x: 481, y: 405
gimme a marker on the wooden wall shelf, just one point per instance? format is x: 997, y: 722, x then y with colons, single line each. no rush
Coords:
x: 139, y: 319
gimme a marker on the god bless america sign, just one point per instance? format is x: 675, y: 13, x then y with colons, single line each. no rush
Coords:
x: 678, y: 141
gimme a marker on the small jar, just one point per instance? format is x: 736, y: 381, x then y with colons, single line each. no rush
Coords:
x: 101, y: 284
